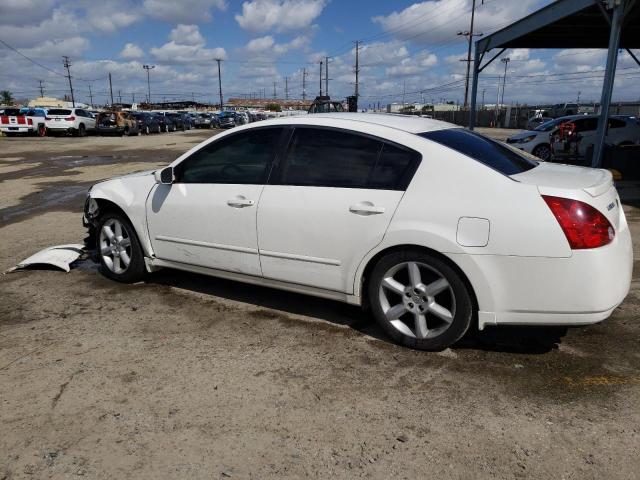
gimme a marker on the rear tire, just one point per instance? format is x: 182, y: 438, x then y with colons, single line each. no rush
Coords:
x: 82, y: 131
x: 119, y: 250
x: 42, y: 130
x: 419, y: 300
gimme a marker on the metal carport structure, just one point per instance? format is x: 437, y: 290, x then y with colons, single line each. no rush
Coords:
x: 566, y: 24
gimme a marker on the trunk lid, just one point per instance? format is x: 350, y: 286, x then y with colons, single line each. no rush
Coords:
x: 591, y: 185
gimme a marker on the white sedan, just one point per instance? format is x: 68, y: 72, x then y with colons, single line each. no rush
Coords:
x: 433, y: 227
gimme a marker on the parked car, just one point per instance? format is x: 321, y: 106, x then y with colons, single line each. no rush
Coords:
x: 166, y: 124
x: 227, y: 119
x: 242, y: 118
x: 206, y: 120
x: 538, y: 140
x: 430, y: 225
x: 180, y: 120
x: 117, y: 123
x: 147, y: 122
x: 621, y: 130
x: 23, y: 120
x: 76, y: 121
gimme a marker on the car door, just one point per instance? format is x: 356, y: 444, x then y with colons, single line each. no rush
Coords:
x: 207, y: 216
x: 328, y: 203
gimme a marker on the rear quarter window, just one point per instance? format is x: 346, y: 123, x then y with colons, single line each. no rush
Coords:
x: 482, y: 149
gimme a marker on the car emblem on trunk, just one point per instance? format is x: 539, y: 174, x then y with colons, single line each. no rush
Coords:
x: 611, y: 205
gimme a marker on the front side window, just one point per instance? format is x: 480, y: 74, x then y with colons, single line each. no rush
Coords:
x: 244, y: 158
x: 482, y: 149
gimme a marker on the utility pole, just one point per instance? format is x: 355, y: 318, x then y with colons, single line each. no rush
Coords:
x: 110, y: 88
x: 357, y: 71
x: 147, y: 68
x: 286, y: 88
x: 220, y: 83
x: 504, y: 79
x: 326, y: 76
x: 304, y: 83
x: 320, y: 77
x: 67, y: 64
x: 404, y: 89
x: 274, y: 90
x: 41, y: 88
x: 133, y: 98
x: 90, y: 96
x: 483, y: 90
x: 119, y: 98
x: 469, y: 36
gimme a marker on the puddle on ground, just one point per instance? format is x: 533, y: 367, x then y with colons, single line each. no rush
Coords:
x: 61, y: 196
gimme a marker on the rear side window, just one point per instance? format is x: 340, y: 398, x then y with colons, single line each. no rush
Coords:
x: 485, y: 150
x: 329, y: 158
x: 333, y: 158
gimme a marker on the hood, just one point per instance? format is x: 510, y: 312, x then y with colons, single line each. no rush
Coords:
x: 525, y: 134
x: 128, y: 175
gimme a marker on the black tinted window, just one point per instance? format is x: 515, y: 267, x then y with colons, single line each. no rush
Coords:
x: 586, y: 124
x: 242, y: 158
x: 485, y: 150
x: 616, y: 123
x: 59, y: 111
x: 394, y: 168
x: 330, y: 158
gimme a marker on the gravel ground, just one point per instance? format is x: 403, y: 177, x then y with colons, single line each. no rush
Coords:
x: 185, y: 376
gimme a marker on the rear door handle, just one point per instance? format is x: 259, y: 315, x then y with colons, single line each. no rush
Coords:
x: 366, y: 208
x: 240, y: 202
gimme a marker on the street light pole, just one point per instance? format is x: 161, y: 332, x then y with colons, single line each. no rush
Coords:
x: 147, y: 68
x: 220, y: 82
x: 504, y: 81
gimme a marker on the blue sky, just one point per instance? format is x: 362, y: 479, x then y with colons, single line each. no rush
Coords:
x: 408, y: 46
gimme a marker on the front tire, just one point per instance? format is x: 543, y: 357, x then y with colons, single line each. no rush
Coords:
x: 543, y: 152
x: 119, y: 250
x: 82, y: 131
x: 419, y: 300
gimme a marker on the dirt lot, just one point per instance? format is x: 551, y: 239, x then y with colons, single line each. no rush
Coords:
x: 185, y: 376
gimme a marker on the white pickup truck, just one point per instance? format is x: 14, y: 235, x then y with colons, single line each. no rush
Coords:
x: 23, y: 120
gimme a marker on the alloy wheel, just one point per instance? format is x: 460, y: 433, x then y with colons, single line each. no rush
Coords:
x: 115, y: 246
x: 417, y: 300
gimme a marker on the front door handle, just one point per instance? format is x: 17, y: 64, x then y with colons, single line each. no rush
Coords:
x: 366, y: 208
x: 240, y: 202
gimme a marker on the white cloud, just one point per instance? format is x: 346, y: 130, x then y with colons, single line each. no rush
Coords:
x: 24, y: 12
x: 260, y: 44
x: 283, y: 15
x: 439, y: 20
x: 382, y: 53
x: 187, y: 35
x: 111, y: 15
x: 61, y: 24
x: 131, y: 50
x: 182, y: 11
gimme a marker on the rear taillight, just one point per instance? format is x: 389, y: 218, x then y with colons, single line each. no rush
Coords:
x: 4, y: 119
x: 30, y: 121
x: 583, y: 225
x: 70, y: 119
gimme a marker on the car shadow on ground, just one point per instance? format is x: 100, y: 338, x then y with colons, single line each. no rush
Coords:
x: 512, y: 339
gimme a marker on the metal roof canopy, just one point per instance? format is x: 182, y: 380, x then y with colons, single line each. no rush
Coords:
x: 566, y: 24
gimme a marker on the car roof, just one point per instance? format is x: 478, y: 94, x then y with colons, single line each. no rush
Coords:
x: 406, y: 123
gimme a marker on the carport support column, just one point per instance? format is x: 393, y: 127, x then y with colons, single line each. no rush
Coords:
x: 609, y: 77
x: 474, y: 88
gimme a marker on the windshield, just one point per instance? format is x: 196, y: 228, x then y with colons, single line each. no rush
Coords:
x: 485, y: 150
x: 59, y: 111
x: 548, y: 125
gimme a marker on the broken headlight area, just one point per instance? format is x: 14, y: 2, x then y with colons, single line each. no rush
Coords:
x: 90, y: 221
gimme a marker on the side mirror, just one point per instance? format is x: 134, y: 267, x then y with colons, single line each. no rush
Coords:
x: 164, y: 176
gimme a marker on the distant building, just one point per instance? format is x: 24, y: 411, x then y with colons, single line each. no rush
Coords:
x: 50, y: 102
x: 261, y: 103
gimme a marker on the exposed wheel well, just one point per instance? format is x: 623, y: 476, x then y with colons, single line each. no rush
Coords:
x: 105, y: 206
x: 366, y: 274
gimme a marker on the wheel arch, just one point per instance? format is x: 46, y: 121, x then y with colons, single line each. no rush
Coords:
x: 362, y: 282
